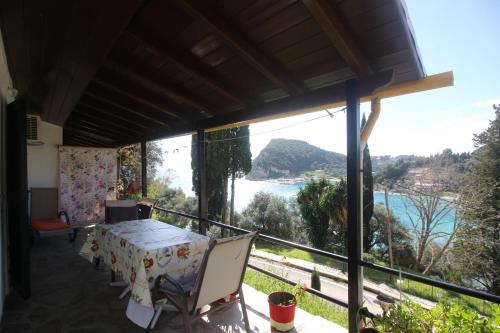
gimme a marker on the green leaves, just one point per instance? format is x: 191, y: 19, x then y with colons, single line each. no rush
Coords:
x: 409, y: 317
x: 323, y: 204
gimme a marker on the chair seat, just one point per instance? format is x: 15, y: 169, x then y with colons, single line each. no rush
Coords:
x: 187, y: 284
x: 49, y: 225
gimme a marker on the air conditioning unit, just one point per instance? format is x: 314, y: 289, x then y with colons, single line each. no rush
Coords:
x: 32, y: 131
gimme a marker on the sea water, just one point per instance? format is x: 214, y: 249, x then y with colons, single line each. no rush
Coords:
x: 400, y: 206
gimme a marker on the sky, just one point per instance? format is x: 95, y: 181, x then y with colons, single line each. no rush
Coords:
x: 458, y: 35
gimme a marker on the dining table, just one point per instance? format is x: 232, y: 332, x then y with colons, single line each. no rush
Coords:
x: 142, y: 250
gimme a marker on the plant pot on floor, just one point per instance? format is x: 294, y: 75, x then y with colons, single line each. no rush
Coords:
x: 282, y: 310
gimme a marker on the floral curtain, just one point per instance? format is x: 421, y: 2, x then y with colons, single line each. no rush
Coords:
x: 87, y: 179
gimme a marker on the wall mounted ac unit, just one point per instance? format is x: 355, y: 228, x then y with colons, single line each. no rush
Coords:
x: 32, y: 131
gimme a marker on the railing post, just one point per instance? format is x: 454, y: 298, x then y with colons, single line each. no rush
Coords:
x: 354, y: 237
x: 144, y: 169
x: 202, y: 183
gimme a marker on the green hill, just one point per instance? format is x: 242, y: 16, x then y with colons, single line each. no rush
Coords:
x: 283, y: 158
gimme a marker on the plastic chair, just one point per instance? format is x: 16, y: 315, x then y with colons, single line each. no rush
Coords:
x: 220, y: 275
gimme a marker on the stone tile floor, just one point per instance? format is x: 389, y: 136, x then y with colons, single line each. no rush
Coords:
x: 71, y: 295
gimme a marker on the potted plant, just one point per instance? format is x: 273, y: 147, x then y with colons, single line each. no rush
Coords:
x: 282, y: 307
x: 367, y: 319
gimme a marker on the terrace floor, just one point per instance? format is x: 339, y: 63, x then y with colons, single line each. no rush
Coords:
x: 71, y: 295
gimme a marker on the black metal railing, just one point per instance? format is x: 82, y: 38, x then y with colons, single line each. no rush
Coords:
x: 410, y: 276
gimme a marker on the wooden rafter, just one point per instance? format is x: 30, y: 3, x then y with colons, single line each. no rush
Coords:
x: 78, y: 63
x: 314, y: 100
x: 332, y: 25
x: 77, y: 140
x: 149, y: 80
x: 100, y: 120
x: 118, y: 116
x: 90, y: 129
x: 98, y: 137
x: 77, y: 122
x: 189, y: 64
x: 240, y: 44
x: 138, y: 99
x: 123, y: 107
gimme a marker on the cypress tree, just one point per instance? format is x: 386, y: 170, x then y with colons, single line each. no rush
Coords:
x: 315, y: 280
x: 367, y: 194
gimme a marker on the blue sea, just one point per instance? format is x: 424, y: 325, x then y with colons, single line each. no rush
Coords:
x: 246, y: 190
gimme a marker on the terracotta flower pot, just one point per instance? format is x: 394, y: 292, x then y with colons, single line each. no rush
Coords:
x: 282, y: 310
x: 367, y: 330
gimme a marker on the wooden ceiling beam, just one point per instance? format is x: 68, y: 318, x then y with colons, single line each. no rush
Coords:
x: 331, y: 23
x: 94, y: 137
x: 104, y: 100
x: 242, y: 45
x: 72, y: 140
x: 315, y: 100
x: 188, y: 63
x: 85, y: 115
x: 129, y: 94
x: 149, y: 79
x: 90, y: 129
x: 115, y: 113
x: 79, y: 122
x: 323, y: 98
x: 88, y: 41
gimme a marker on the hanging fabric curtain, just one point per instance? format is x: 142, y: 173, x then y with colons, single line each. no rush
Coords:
x: 87, y: 179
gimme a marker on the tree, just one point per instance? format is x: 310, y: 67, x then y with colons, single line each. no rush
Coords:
x: 323, y: 207
x: 175, y: 199
x: 317, y: 220
x: 426, y: 211
x: 217, y: 157
x: 240, y: 162
x: 129, y: 162
x: 403, y: 253
x: 227, y: 154
x: 367, y: 192
x: 477, y: 249
x: 268, y: 214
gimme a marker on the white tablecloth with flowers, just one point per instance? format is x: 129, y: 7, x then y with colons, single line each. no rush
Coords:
x: 141, y: 250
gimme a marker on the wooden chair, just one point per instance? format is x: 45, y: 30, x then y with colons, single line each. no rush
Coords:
x: 117, y: 211
x: 146, y: 207
x: 221, y: 274
x: 46, y: 219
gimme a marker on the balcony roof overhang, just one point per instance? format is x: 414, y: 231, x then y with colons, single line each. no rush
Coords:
x: 127, y: 71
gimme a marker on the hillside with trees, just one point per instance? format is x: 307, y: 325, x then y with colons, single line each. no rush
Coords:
x: 284, y: 158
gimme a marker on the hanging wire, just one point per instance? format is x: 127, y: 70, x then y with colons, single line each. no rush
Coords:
x: 329, y: 114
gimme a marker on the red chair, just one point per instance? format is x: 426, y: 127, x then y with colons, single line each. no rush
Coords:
x: 46, y: 219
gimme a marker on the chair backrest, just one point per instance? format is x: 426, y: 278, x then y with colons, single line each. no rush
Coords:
x: 223, y: 268
x: 145, y: 208
x: 120, y: 210
x: 44, y: 203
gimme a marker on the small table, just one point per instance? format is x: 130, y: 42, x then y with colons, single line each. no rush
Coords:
x: 141, y: 250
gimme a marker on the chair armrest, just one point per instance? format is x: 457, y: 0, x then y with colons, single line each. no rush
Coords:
x: 66, y: 217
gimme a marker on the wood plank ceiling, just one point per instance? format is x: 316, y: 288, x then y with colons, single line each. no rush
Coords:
x: 119, y: 71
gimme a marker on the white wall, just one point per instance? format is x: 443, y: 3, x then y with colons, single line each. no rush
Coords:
x: 43, y: 162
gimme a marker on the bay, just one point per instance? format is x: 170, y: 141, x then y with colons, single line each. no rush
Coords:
x: 246, y: 190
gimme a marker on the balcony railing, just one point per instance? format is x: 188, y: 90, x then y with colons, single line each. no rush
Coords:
x: 414, y: 277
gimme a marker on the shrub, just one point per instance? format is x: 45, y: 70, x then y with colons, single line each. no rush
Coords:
x: 411, y: 317
x: 315, y: 280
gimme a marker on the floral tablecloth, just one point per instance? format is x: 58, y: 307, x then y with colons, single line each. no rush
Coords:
x: 141, y: 250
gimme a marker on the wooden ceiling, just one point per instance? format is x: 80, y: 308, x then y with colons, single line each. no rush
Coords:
x: 119, y: 71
